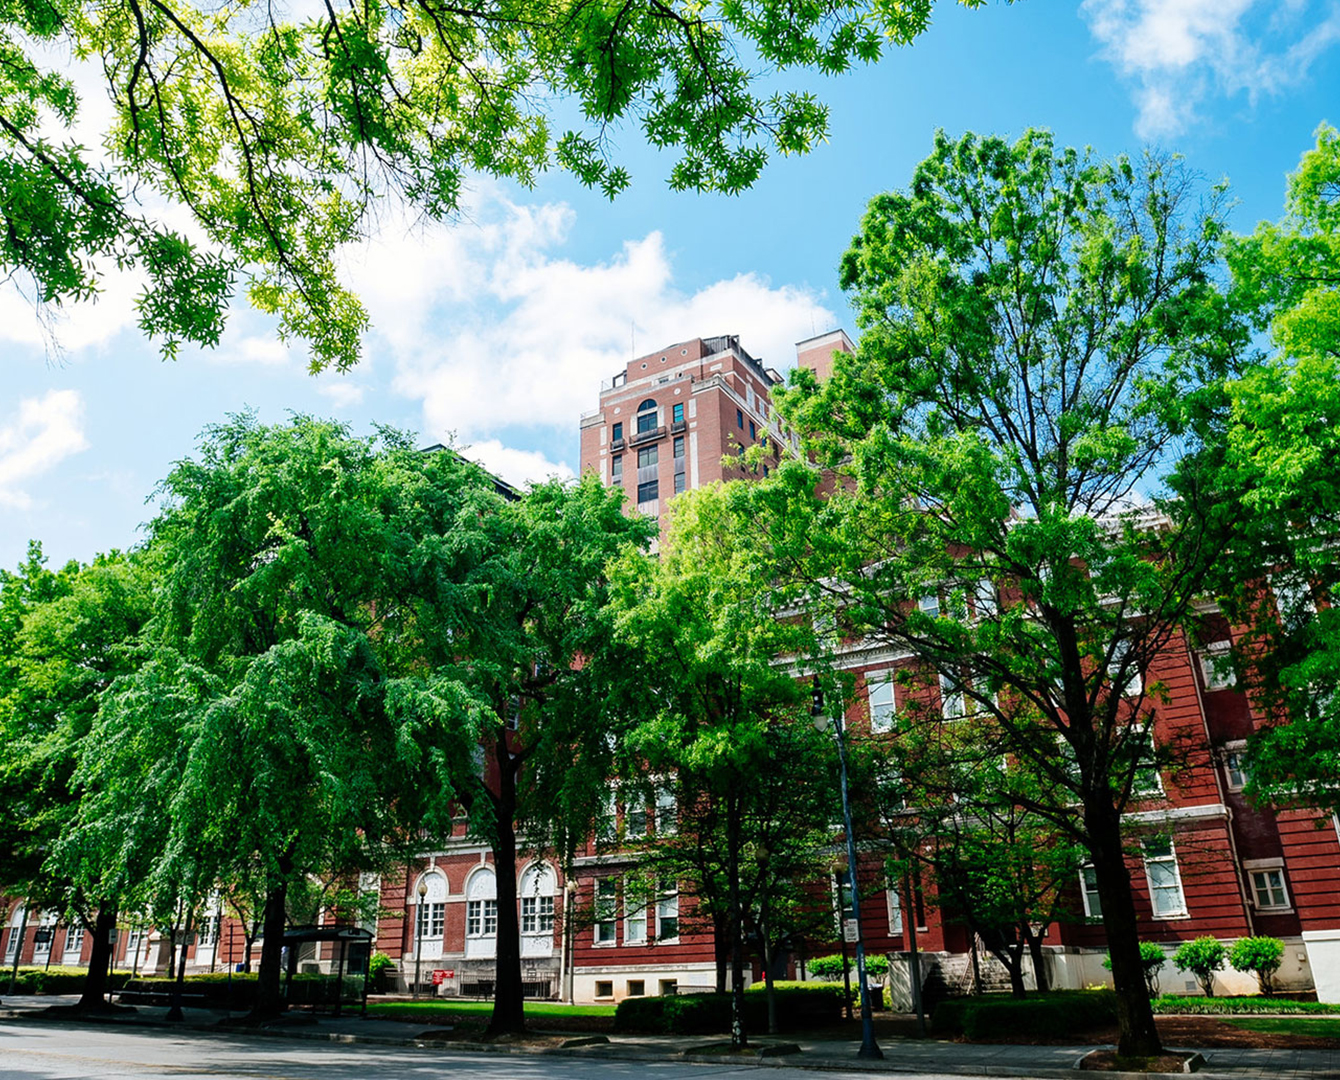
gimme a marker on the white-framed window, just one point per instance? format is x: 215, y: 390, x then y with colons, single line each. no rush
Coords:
x: 895, y: 909
x: 538, y: 885
x: 953, y: 701
x: 667, y: 914
x: 1164, y: 878
x: 431, y: 910
x: 879, y: 693
x: 607, y: 819
x: 1269, y: 890
x: 47, y: 925
x: 74, y: 943
x: 635, y: 817
x: 1121, y: 659
x: 1293, y: 598
x: 606, y: 910
x: 12, y: 933
x: 481, y: 905
x: 986, y: 604
x: 930, y: 605
x: 1147, y: 783
x: 1088, y: 891
x: 667, y: 811
x: 1216, y: 667
x: 1234, y: 770
x: 635, y: 914
x: 207, y: 930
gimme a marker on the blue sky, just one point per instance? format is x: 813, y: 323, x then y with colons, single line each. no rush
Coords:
x: 498, y: 328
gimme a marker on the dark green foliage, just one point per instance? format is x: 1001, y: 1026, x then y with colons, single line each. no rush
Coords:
x: 1176, y: 1005
x: 829, y: 966
x: 799, y: 1005
x: 1202, y: 957
x: 1260, y: 955
x: 58, y: 980
x: 1043, y: 1014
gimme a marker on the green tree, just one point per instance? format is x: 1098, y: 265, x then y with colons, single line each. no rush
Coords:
x: 523, y: 633
x: 1042, y: 339
x: 1202, y: 957
x: 724, y: 724
x: 1260, y: 955
x: 70, y: 637
x: 1279, y: 460
x: 278, y: 134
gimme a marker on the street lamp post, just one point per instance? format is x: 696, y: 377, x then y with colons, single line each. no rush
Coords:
x: 833, y: 725
x: 422, y: 890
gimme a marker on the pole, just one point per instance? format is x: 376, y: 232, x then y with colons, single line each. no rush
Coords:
x: 569, y: 946
x: 842, y: 944
x: 869, y: 1049
x: 914, y: 960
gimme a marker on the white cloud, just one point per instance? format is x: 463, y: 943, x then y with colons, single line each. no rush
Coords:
x: 340, y: 392
x: 515, y: 336
x: 517, y: 467
x: 46, y: 431
x: 1178, y: 53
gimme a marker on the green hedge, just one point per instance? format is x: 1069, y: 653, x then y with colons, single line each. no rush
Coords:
x: 1174, y: 1005
x: 1038, y: 1014
x: 799, y: 1005
x: 56, y: 980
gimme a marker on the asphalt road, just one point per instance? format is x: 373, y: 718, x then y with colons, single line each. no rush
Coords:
x: 44, y: 1051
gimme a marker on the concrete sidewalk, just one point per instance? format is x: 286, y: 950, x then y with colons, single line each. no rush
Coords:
x: 901, y: 1055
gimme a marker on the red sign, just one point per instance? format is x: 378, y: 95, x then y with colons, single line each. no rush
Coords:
x: 441, y: 975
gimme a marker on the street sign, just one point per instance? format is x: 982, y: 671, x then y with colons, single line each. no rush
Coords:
x: 441, y: 975
x: 849, y: 930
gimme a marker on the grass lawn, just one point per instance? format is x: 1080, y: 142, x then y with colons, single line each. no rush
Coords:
x: 1325, y: 1027
x: 429, y: 1011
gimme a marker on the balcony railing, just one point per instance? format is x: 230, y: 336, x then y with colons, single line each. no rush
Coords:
x: 640, y: 437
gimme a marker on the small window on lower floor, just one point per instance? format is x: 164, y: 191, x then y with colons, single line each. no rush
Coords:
x: 637, y: 987
x: 669, y: 987
x: 648, y: 492
x: 1269, y: 890
x: 604, y: 988
x: 1088, y: 881
x: 679, y: 482
x: 1164, y: 878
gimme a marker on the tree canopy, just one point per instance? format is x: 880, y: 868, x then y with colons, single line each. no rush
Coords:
x: 275, y: 131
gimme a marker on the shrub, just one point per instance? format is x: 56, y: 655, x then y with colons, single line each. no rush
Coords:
x: 1047, y: 1014
x: 830, y: 967
x: 1175, y: 1004
x: 1152, y: 957
x: 1261, y: 955
x: 59, y: 980
x: 378, y: 966
x: 799, y: 1005
x: 1202, y: 957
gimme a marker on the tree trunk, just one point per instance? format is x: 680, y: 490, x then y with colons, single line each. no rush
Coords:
x: 248, y: 943
x: 721, y: 948
x: 768, y: 988
x: 269, y: 994
x: 1039, y: 961
x: 1013, y: 961
x: 739, y: 1036
x: 1138, y: 1036
x: 509, y: 1006
x: 94, y: 997
x: 179, y: 983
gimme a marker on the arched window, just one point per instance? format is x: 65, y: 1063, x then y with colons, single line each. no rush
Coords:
x: 646, y: 416
x: 12, y: 934
x: 538, y: 886
x: 432, y: 909
x: 481, y: 913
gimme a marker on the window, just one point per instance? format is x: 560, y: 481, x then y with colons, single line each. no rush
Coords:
x: 616, y: 468
x: 635, y: 818
x: 637, y: 987
x: 538, y: 886
x: 648, y: 492
x: 481, y: 906
x: 667, y: 812
x: 953, y: 701
x: 895, y: 910
x: 679, y: 482
x: 12, y: 940
x: 606, y: 825
x: 635, y: 921
x: 74, y: 939
x: 604, y: 988
x: 739, y: 419
x: 1122, y: 665
x: 646, y: 416
x: 618, y: 431
x: 679, y: 446
x: 1293, y: 599
x: 208, y: 932
x: 1088, y: 885
x: 1165, y: 880
x: 669, y: 987
x: 667, y: 915
x: 677, y: 414
x: 1233, y: 769
x: 431, y: 913
x: 606, y: 910
x: 647, y: 457
x: 1269, y: 890
x: 985, y: 603
x: 1146, y: 783
x: 930, y: 605
x: 1216, y: 667
x: 879, y: 692
x: 753, y: 433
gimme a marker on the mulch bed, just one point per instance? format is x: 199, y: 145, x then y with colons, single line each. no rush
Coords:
x: 1109, y: 1061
